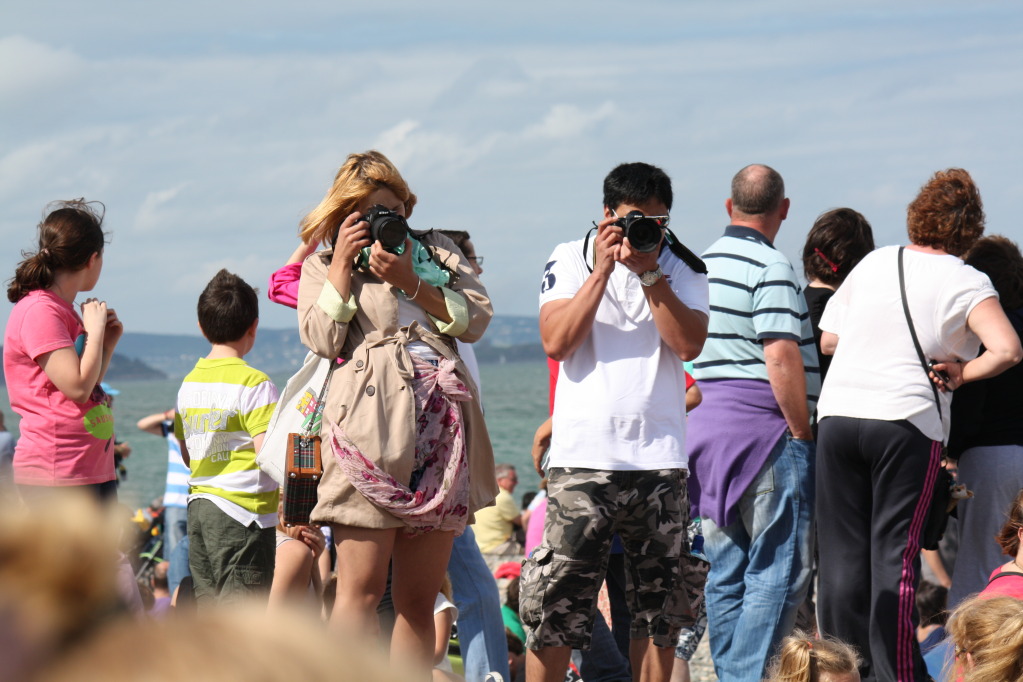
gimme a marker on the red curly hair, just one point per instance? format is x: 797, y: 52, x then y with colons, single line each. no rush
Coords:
x: 947, y: 214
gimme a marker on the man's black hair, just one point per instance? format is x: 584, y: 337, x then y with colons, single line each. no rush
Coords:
x: 636, y: 183
x: 227, y: 308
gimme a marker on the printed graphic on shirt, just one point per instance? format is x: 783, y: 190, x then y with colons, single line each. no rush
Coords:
x: 548, y: 277
x: 99, y: 421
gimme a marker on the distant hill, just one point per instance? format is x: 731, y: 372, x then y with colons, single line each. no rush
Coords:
x: 508, y: 339
x: 122, y: 368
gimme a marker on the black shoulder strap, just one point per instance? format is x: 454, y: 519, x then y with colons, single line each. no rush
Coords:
x: 912, y: 332
x: 680, y: 250
x: 694, y: 262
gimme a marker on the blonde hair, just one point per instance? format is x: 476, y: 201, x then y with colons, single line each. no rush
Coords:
x: 804, y: 659
x: 241, y: 642
x: 359, y: 176
x: 988, y: 636
x: 57, y: 577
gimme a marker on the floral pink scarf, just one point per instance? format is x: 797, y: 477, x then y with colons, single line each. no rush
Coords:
x: 438, y: 495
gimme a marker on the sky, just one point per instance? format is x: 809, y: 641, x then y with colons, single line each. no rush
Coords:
x: 209, y: 129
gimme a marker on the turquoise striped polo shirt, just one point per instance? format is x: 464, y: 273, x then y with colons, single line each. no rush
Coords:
x: 754, y: 295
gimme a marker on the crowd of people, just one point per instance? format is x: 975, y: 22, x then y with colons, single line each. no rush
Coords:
x: 728, y: 451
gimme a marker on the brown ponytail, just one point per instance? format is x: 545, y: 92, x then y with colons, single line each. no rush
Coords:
x: 70, y: 232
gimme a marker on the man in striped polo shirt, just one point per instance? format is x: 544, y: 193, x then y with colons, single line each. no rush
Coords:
x: 751, y: 451
x: 224, y: 407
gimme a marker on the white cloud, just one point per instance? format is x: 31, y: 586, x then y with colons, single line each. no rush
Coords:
x: 30, y: 67
x: 208, y: 140
x: 151, y: 215
x: 567, y: 120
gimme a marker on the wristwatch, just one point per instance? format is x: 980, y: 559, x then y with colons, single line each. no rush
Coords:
x: 650, y: 277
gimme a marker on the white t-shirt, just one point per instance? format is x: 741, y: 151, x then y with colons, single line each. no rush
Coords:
x: 621, y: 395
x: 876, y: 373
x: 439, y: 604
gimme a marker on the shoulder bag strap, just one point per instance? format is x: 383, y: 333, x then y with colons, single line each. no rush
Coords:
x: 912, y: 332
x: 313, y: 424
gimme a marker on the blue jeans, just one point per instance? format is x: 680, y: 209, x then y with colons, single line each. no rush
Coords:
x: 480, y: 625
x: 761, y: 563
x: 178, y: 568
x: 175, y: 528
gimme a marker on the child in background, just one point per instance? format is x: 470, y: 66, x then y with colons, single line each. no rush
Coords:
x: 224, y: 407
x: 54, y: 359
x: 804, y: 659
x: 445, y: 613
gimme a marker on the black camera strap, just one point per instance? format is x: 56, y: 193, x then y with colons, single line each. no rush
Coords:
x: 680, y: 250
x: 912, y: 332
x: 694, y: 262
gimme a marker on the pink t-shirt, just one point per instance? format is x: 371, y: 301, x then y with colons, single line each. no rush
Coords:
x: 62, y: 442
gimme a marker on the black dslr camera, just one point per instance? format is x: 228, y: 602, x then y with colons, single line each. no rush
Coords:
x: 387, y: 227
x: 644, y: 234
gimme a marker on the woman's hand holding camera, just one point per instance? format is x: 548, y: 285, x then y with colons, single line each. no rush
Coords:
x: 352, y: 237
x: 395, y: 269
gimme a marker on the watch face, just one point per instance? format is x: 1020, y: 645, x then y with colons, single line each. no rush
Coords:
x: 650, y: 277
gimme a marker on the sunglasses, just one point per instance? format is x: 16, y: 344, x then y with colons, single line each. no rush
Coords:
x: 661, y: 220
x: 476, y: 259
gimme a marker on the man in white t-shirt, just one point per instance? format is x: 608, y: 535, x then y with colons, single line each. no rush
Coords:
x: 620, y: 310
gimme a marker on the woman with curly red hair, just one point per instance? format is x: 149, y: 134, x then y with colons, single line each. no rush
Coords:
x: 882, y: 425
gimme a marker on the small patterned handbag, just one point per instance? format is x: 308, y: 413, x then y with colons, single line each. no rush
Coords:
x: 303, y: 467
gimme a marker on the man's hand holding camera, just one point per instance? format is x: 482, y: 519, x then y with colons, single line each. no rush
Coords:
x: 638, y: 261
x: 607, y: 247
x: 612, y: 246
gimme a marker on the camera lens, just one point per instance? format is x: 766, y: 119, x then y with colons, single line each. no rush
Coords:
x: 390, y: 232
x: 644, y: 234
x: 386, y: 227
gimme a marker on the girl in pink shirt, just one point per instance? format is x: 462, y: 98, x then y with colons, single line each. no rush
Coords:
x: 54, y: 358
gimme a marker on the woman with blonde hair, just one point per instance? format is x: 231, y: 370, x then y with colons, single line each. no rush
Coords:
x: 802, y: 658
x: 407, y: 459
x: 988, y: 638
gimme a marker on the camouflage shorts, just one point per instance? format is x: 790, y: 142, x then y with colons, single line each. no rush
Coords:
x: 560, y: 580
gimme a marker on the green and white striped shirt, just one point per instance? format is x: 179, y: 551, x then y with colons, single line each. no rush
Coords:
x: 222, y: 405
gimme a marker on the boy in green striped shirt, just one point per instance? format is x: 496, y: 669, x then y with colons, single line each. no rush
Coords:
x: 223, y: 409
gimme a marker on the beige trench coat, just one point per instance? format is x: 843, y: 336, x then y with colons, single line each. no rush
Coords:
x: 370, y: 395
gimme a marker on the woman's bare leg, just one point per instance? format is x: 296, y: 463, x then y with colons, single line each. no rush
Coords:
x: 418, y: 570
x: 362, y: 558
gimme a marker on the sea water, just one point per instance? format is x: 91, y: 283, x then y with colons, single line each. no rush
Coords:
x: 514, y: 399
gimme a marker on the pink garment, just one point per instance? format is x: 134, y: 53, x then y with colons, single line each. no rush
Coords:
x: 534, y: 528
x: 1007, y: 584
x: 283, y: 285
x: 438, y: 496
x: 62, y: 442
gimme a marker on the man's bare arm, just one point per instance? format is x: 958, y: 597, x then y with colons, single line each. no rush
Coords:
x: 681, y: 327
x: 788, y: 381
x: 565, y: 323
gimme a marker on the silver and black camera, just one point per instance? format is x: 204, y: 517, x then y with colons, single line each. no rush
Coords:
x: 387, y: 227
x: 643, y: 233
